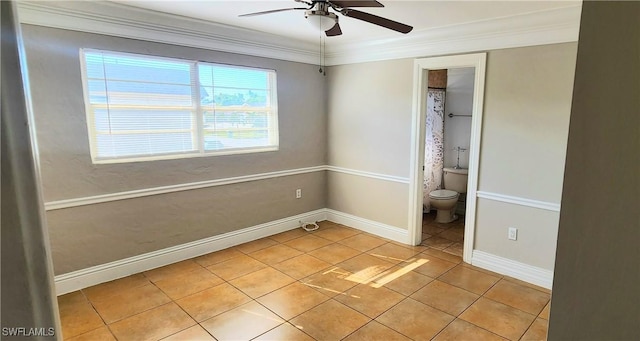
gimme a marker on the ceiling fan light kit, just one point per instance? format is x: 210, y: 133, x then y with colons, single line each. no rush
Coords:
x: 319, y: 15
x: 322, y: 21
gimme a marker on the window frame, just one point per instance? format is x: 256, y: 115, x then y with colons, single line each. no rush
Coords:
x: 198, y: 114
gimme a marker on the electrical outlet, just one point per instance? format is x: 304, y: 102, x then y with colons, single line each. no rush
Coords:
x: 298, y: 193
x: 513, y: 233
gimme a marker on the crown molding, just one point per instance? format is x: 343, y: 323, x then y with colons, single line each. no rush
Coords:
x: 109, y: 18
x: 120, y: 20
x: 536, y: 28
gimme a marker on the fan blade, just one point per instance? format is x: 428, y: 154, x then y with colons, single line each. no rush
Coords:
x: 271, y: 11
x: 334, y: 31
x: 376, y: 20
x: 356, y: 3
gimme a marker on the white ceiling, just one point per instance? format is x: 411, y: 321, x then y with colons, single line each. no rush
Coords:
x: 423, y: 15
x: 440, y: 27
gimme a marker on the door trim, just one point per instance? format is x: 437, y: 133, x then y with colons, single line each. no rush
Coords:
x: 421, y: 69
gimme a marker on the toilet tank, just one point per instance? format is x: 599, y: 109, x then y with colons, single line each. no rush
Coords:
x: 456, y: 179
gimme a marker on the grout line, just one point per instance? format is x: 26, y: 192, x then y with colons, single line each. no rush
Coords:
x: 329, y: 298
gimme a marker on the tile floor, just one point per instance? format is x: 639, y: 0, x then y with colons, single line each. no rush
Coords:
x: 336, y: 283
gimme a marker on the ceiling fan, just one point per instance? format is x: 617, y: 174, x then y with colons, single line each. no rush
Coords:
x: 318, y: 13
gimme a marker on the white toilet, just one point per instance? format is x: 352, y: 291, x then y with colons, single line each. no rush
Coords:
x: 445, y: 200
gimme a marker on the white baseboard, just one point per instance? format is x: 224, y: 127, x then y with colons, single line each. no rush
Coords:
x: 84, y: 278
x: 505, y: 266
x: 385, y: 231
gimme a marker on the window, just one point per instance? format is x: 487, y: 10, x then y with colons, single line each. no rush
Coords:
x: 149, y: 108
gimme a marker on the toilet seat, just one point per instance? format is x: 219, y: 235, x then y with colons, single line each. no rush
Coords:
x: 443, y: 194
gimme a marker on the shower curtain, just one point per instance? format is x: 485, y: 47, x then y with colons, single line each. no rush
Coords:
x: 434, y: 144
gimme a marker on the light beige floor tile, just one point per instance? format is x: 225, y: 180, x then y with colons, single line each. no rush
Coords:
x: 488, y: 272
x: 415, y: 320
x: 195, y: 333
x: 302, y: 266
x: 275, y: 254
x: 452, y: 300
x: 261, y: 282
x: 453, y: 235
x: 416, y: 248
x: 330, y: 282
x: 292, y: 300
x: 518, y: 296
x: 368, y: 300
x: 469, y: 279
x: 77, y: 316
x: 463, y: 330
x: 285, y: 331
x: 103, y: 290
x: 364, y: 268
x: 432, y: 230
x: 236, y: 267
x: 172, y: 270
x: 211, y: 302
x: 442, y: 255
x: 188, y: 283
x: 217, y: 257
x: 336, y: 232
x: 537, y: 331
x: 498, y: 318
x: 374, y: 331
x: 153, y: 324
x: 437, y: 242
x: 256, y: 245
x: 288, y: 235
x: 130, y: 302
x: 100, y: 334
x: 456, y: 249
x: 433, y: 266
x: 362, y: 242
x: 334, y: 253
x: 544, y: 314
x: 527, y: 284
x: 242, y: 323
x: 308, y: 243
x: 393, y: 253
x: 402, y: 279
x: 330, y: 321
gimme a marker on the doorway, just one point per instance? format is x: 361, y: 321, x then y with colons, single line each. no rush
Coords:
x: 421, y: 69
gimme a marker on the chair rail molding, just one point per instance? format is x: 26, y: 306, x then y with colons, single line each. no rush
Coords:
x: 543, y: 205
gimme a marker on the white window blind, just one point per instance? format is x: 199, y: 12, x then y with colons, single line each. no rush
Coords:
x: 148, y: 108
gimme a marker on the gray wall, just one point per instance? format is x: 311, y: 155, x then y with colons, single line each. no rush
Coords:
x: 27, y: 290
x: 92, y: 235
x: 596, y: 293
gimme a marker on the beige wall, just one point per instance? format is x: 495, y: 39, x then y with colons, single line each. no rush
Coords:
x: 369, y: 115
x: 91, y: 235
x: 596, y: 288
x: 526, y: 117
x: 378, y: 200
x: 369, y: 110
x: 524, y: 133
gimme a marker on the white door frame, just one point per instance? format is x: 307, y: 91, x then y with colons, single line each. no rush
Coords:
x: 416, y: 162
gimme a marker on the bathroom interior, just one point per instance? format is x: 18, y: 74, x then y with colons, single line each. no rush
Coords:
x: 447, y: 143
